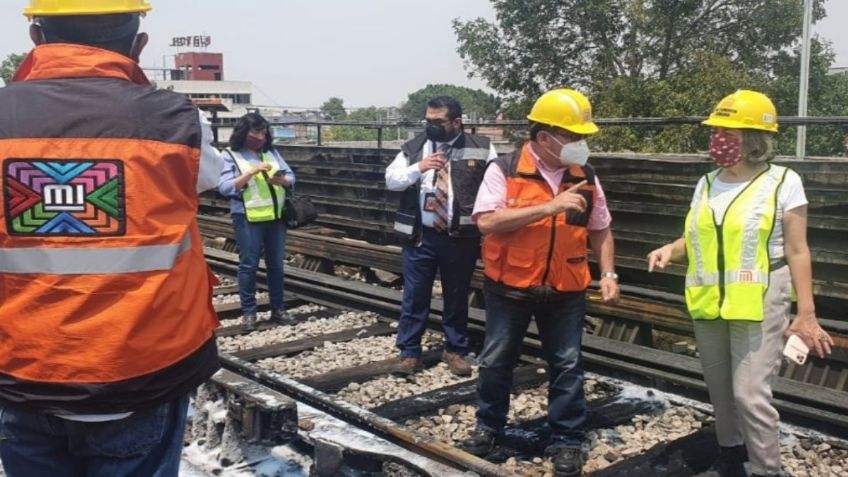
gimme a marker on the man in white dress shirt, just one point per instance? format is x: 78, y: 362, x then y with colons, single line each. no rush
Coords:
x: 439, y: 172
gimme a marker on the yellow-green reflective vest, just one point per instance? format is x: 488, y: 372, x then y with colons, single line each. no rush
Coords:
x: 729, y: 263
x: 262, y: 201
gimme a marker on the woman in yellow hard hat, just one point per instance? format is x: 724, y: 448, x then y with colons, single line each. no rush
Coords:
x: 746, y: 245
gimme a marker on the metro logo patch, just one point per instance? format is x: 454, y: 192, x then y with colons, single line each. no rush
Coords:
x: 79, y: 197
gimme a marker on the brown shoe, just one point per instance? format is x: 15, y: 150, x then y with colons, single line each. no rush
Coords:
x: 457, y: 364
x: 408, y: 366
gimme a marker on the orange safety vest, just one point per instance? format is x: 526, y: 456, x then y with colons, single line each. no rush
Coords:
x: 550, y: 252
x: 103, y: 283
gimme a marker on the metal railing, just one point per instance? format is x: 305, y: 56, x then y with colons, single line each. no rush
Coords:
x: 473, y: 126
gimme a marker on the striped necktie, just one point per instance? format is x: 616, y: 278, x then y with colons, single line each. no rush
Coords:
x: 440, y: 222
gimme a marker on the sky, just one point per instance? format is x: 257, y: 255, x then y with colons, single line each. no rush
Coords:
x: 298, y: 53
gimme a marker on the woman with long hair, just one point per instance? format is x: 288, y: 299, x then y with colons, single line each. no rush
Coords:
x: 255, y: 178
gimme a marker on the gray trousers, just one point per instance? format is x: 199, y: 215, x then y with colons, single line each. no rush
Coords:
x: 740, y: 361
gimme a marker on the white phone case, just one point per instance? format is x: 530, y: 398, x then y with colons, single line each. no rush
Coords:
x: 796, y: 350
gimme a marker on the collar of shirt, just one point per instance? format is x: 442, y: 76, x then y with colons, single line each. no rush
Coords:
x: 552, y: 176
x: 430, y: 144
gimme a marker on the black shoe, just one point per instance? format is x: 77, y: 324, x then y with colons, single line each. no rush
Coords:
x: 249, y: 322
x: 568, y: 461
x: 730, y: 463
x: 282, y: 317
x: 481, y: 442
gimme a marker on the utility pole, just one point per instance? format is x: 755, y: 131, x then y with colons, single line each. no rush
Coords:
x: 801, y: 146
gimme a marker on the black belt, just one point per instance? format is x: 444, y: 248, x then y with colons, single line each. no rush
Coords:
x: 434, y: 230
x: 448, y: 233
x: 537, y: 294
x: 779, y: 263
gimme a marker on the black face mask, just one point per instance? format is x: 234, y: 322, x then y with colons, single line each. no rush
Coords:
x: 437, y: 133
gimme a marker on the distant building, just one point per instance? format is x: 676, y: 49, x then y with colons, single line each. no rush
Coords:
x: 225, y: 101
x: 232, y: 92
x: 837, y: 70
x: 200, y: 76
x: 200, y: 66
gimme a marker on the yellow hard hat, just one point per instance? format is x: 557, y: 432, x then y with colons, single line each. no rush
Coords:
x: 566, y: 109
x: 51, y: 8
x: 744, y: 109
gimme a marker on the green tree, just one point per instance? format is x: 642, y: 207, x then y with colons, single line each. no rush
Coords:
x: 474, y: 102
x: 10, y: 65
x: 372, y: 115
x: 536, y: 45
x: 691, y: 92
x: 334, y: 109
x: 828, y: 96
x: 653, y: 58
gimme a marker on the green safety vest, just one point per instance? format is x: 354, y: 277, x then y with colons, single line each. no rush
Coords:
x: 262, y: 201
x: 729, y: 263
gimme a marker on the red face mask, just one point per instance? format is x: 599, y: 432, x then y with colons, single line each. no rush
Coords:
x: 725, y: 149
x: 254, y: 143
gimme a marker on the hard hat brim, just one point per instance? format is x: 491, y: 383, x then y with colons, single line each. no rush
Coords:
x: 584, y: 129
x: 34, y: 14
x: 731, y: 124
x: 40, y: 12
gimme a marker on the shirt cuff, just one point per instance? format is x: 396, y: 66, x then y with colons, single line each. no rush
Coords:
x: 414, y: 173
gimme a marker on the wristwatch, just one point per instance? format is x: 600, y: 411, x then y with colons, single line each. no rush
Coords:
x: 612, y: 275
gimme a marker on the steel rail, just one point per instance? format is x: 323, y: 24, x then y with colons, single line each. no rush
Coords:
x: 825, y: 408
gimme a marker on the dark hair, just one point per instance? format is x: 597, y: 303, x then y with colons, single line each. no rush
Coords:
x: 452, y: 105
x: 109, y: 32
x: 536, y: 128
x: 245, y: 124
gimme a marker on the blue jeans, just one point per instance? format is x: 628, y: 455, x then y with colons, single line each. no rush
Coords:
x: 145, y: 444
x: 561, y: 332
x: 251, y: 237
x: 455, y: 258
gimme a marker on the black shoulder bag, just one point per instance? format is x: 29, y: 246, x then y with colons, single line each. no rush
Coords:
x: 299, y: 210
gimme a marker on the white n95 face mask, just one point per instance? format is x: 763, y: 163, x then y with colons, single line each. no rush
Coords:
x: 574, y: 153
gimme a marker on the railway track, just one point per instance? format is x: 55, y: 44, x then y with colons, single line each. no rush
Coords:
x: 641, y: 314
x: 339, y: 357
x: 423, y: 416
x: 648, y: 196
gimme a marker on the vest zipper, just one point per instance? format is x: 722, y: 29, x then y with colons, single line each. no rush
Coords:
x: 550, y: 250
x: 720, y: 236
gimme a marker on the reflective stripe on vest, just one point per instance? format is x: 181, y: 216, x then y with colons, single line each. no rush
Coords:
x: 728, y: 270
x: 90, y: 261
x: 262, y: 201
x: 106, y: 292
x: 474, y: 154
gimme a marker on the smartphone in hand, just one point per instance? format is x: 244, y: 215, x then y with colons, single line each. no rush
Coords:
x: 796, y: 350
